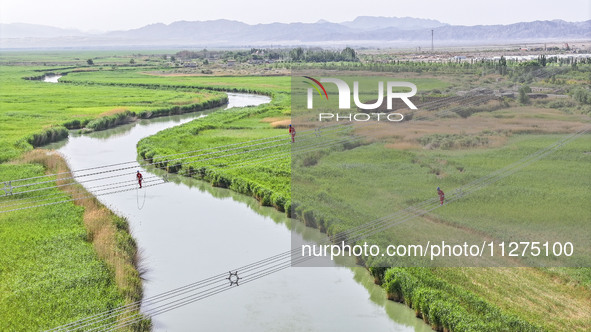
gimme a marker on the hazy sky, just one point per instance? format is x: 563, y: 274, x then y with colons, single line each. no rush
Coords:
x: 107, y: 15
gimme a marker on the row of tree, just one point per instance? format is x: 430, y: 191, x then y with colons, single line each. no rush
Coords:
x: 319, y: 55
x: 298, y: 54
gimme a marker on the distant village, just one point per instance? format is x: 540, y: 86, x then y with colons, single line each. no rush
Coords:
x: 554, y: 52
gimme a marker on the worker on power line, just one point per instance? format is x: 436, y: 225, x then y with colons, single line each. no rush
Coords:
x: 441, y: 195
x: 140, y: 177
x: 292, y: 132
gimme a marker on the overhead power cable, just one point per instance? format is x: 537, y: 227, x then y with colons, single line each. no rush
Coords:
x: 222, y: 282
x: 131, y: 185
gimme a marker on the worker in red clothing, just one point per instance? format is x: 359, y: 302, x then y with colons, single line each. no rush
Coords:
x: 441, y: 195
x: 292, y: 132
x: 140, y: 177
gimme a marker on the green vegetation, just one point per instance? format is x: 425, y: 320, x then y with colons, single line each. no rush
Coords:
x: 556, y: 301
x: 329, y: 191
x: 473, y: 143
x: 77, y: 59
x: 582, y: 95
x: 523, y: 97
x: 62, y: 262
x: 33, y: 113
x: 267, y: 182
x: 452, y: 141
x: 260, y: 55
x: 545, y: 192
x: 445, y: 306
x: 47, y: 266
x: 300, y: 55
x: 157, y: 79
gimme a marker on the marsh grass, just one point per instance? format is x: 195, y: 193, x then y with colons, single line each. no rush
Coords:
x: 82, y: 254
x: 34, y: 113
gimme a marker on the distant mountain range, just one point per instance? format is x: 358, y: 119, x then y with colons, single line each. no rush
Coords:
x: 363, y: 31
x: 24, y: 30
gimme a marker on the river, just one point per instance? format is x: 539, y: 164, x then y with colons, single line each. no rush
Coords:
x: 52, y: 78
x: 188, y: 231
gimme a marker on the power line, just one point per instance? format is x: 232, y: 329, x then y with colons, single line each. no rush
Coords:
x: 148, y: 179
x: 284, y: 260
x: 160, y: 162
x: 127, y: 174
x: 133, y: 186
x: 272, y: 139
x: 269, y: 139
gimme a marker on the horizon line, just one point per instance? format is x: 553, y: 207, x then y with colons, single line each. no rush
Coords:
x: 98, y: 31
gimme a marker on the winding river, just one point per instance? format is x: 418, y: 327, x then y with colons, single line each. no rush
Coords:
x: 52, y: 78
x: 188, y: 231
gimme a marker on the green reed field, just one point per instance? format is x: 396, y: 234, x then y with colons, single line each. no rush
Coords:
x: 167, y: 78
x: 541, y: 195
x: 64, y: 262
x: 29, y: 107
x: 49, y: 273
x: 269, y: 182
x: 462, y: 299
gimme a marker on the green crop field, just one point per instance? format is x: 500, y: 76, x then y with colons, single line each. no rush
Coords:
x: 164, y: 78
x: 100, y: 58
x: 29, y: 107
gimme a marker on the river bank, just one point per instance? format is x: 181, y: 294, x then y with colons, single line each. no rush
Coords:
x: 188, y: 230
x: 34, y: 113
x: 556, y: 301
x: 79, y: 251
x: 52, y: 256
x: 456, y: 304
x: 108, y: 233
